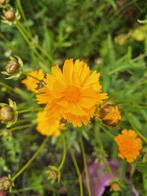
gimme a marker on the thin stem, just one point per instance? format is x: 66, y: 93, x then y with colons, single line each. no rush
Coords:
x: 36, y: 45
x: 8, y: 87
x: 28, y: 110
x: 21, y: 10
x: 20, y: 127
x: 122, y: 172
x: 64, y: 156
x: 104, y: 127
x: 85, y: 167
x: 107, y: 167
x: 30, y: 161
x: 77, y: 170
x: 18, y: 26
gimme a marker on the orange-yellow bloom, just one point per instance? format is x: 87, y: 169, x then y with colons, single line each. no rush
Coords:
x: 129, y: 145
x: 33, y: 80
x: 110, y: 115
x: 48, y: 126
x: 73, y: 93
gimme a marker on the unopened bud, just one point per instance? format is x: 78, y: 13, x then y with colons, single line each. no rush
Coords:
x: 110, y: 115
x: 2, y: 2
x: 115, y: 187
x: 12, y: 67
x: 5, y: 183
x: 7, y: 114
x: 53, y: 173
x: 9, y: 15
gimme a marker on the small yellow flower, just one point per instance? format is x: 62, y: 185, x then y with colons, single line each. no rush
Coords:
x: 33, y: 80
x: 110, y: 115
x: 48, y: 126
x: 73, y: 93
x: 129, y: 145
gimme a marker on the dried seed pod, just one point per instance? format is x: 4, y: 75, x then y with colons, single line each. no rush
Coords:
x: 7, y: 113
x: 110, y: 115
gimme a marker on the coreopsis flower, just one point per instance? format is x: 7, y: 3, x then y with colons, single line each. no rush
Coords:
x: 129, y: 145
x: 72, y: 93
x: 110, y: 115
x: 48, y: 126
x: 34, y: 80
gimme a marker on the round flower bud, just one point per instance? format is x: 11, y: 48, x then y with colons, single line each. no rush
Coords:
x: 115, y: 187
x: 2, y: 2
x: 9, y: 15
x: 110, y: 115
x: 53, y: 173
x: 12, y: 67
x: 6, y: 113
x: 5, y: 183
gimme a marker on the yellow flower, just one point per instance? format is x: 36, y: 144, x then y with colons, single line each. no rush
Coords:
x: 129, y: 145
x: 73, y: 93
x: 34, y: 79
x: 48, y: 126
x: 110, y: 115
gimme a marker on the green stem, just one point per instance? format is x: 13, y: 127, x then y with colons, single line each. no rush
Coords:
x: 64, y: 156
x: 104, y: 128
x: 28, y: 110
x: 85, y: 167
x: 21, y: 10
x: 36, y: 45
x: 18, y: 26
x: 77, y: 170
x: 8, y: 87
x: 20, y: 127
x: 122, y: 172
x: 107, y: 167
x: 30, y: 161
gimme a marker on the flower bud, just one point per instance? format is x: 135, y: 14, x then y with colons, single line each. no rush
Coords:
x: 7, y: 113
x: 110, y: 115
x: 9, y: 15
x: 115, y: 187
x: 2, y: 2
x: 5, y: 183
x: 53, y: 173
x: 13, y: 67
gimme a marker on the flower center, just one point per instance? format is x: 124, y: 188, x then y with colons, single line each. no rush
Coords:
x: 72, y: 94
